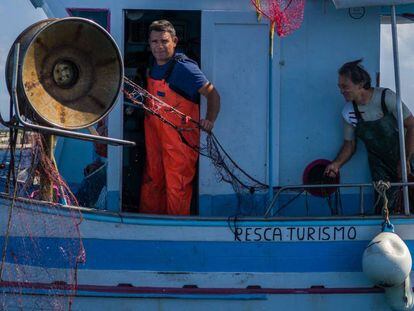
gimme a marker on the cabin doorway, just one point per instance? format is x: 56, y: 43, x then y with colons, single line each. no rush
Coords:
x: 136, y: 57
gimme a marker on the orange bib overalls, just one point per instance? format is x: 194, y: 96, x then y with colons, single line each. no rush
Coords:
x: 170, y: 163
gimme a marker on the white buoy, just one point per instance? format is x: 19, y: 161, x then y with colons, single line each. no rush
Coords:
x: 400, y: 297
x: 387, y: 262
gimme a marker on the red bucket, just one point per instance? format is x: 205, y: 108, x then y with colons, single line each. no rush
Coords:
x: 314, y: 175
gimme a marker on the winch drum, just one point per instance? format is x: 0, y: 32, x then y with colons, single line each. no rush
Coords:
x: 69, y: 75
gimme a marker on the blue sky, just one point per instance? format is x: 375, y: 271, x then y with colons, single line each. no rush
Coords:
x: 16, y: 15
x: 406, y: 54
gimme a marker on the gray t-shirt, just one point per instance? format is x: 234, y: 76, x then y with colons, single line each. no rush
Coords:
x: 371, y: 111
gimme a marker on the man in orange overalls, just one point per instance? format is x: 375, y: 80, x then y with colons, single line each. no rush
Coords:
x: 170, y: 163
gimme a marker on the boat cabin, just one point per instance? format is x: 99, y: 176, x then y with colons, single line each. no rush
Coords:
x: 278, y: 115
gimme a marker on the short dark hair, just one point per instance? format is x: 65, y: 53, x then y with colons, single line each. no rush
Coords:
x: 161, y: 26
x: 356, y: 72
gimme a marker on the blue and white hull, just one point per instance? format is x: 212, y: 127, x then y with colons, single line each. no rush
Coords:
x: 249, y: 263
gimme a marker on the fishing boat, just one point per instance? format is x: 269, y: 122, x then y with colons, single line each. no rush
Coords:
x: 292, y: 245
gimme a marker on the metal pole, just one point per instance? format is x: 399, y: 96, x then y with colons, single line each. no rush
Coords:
x: 399, y: 109
x: 270, y: 117
x: 361, y: 200
x: 46, y: 184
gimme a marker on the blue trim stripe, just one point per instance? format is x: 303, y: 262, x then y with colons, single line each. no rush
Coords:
x: 344, y: 256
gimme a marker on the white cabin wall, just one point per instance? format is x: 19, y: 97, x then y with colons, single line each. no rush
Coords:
x: 311, y: 105
x: 235, y: 57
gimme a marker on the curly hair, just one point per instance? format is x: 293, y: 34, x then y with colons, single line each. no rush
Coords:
x: 356, y: 72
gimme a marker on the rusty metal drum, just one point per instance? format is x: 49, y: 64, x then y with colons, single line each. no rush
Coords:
x: 70, y: 72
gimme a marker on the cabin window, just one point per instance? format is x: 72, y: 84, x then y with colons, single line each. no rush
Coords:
x: 100, y: 16
x: 136, y: 58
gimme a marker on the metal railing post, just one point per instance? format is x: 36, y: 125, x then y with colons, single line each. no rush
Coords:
x: 269, y: 209
x: 361, y: 200
x: 400, y: 119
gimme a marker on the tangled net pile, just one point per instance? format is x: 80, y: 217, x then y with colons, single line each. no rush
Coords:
x: 226, y: 168
x: 42, y: 247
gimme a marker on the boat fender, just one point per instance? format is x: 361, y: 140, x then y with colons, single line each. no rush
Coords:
x: 400, y: 297
x: 387, y: 262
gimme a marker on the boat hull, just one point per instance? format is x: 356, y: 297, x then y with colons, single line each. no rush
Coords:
x: 300, y: 264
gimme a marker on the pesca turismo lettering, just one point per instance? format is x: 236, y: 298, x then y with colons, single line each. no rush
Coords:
x: 274, y: 234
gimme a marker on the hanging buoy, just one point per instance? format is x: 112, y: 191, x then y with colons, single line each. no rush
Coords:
x: 400, y: 297
x: 387, y: 261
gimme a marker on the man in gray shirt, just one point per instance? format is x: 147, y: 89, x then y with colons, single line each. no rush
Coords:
x: 371, y: 115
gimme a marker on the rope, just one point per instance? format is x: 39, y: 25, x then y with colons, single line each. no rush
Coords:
x: 382, y: 187
x: 258, y: 8
x: 289, y: 202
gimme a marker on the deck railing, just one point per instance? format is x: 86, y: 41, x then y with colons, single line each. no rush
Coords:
x: 361, y: 186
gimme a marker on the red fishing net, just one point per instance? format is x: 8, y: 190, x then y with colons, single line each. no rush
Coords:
x: 41, y: 245
x: 285, y: 15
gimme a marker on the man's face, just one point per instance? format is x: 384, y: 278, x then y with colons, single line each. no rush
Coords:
x: 162, y: 46
x: 348, y: 89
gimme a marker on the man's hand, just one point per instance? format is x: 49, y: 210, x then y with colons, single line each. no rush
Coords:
x: 213, y: 106
x: 206, y: 125
x: 332, y: 170
x: 346, y: 152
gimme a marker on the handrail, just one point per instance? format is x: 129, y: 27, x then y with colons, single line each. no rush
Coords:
x: 361, y: 186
